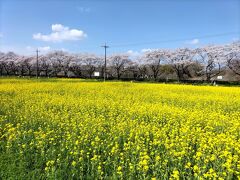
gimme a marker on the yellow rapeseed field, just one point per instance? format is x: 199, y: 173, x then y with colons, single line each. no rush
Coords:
x: 73, y: 129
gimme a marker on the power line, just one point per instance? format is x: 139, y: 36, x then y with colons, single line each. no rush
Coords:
x: 167, y: 41
x: 174, y: 40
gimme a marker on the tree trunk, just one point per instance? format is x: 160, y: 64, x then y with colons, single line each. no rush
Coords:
x: 208, y: 78
x: 118, y: 75
x: 65, y: 73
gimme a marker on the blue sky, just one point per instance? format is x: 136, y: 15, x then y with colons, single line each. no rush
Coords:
x: 82, y: 26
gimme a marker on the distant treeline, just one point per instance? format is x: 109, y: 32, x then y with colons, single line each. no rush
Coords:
x: 206, y: 64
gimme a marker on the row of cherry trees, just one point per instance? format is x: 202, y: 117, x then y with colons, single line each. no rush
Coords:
x: 185, y: 63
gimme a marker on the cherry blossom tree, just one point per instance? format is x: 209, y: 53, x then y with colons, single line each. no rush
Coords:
x: 181, y: 59
x: 154, y: 58
x: 101, y: 66
x: 90, y: 62
x: 20, y: 65
x: 142, y: 67
x: 233, y: 57
x: 132, y: 70
x: 45, y: 65
x: 119, y: 62
x: 60, y: 61
x: 76, y: 65
x: 142, y: 70
x: 213, y: 59
x: 207, y: 62
x: 8, y: 63
x: 66, y: 64
x: 28, y: 63
x: 2, y: 63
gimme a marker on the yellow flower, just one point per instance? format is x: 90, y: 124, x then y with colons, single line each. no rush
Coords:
x: 175, y: 174
x: 121, y: 128
x: 119, y: 168
x: 188, y: 165
x: 77, y: 142
x: 195, y: 168
x: 157, y: 158
x: 74, y: 163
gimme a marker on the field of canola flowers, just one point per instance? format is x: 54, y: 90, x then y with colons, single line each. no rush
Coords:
x: 72, y: 129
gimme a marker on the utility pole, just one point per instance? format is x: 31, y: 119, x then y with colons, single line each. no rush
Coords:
x: 105, y: 62
x: 37, y: 51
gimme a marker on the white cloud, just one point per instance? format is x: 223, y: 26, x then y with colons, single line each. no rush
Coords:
x: 59, y: 28
x: 193, y: 41
x: 61, y: 33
